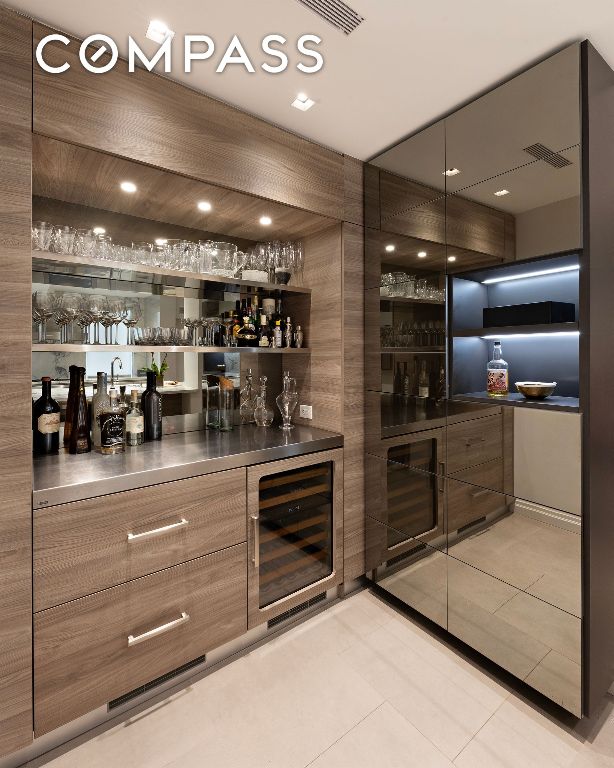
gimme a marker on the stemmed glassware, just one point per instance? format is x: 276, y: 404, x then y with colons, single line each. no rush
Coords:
x: 132, y: 313
x: 42, y: 310
x: 97, y: 306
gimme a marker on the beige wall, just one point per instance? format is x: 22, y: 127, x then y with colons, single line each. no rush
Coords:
x: 549, y: 229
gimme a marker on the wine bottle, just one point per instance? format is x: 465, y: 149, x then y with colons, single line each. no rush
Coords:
x: 100, y: 400
x: 151, y: 405
x: 45, y: 422
x: 73, y: 391
x: 423, y: 382
x: 80, y: 440
x: 112, y: 424
x: 135, y: 421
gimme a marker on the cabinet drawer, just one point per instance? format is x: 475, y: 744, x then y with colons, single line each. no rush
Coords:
x: 86, y: 546
x: 474, y: 442
x: 470, y: 502
x: 95, y: 649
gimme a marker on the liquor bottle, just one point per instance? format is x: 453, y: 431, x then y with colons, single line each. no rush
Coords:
x: 299, y: 337
x: 497, y: 374
x: 397, y: 382
x: 100, y: 400
x: 112, y: 422
x: 288, y: 333
x: 45, y: 422
x: 135, y: 421
x: 277, y: 335
x: 264, y: 339
x: 423, y: 382
x: 73, y: 390
x: 440, y: 392
x: 80, y: 440
x: 123, y: 401
x: 246, y: 335
x: 151, y: 405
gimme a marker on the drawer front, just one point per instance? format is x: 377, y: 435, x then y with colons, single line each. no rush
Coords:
x: 95, y: 649
x: 86, y: 546
x: 472, y: 500
x: 474, y: 442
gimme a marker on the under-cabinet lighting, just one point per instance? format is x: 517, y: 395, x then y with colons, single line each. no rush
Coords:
x: 266, y: 221
x: 161, y: 241
x: 205, y: 206
x: 506, y: 335
x: 303, y: 102
x: 422, y: 254
x: 501, y: 192
x: 451, y: 172
x: 99, y: 230
x: 128, y: 186
x: 451, y: 258
x: 158, y: 31
x: 389, y: 248
x: 538, y: 273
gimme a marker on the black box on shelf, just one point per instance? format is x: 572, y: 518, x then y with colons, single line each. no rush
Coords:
x: 537, y: 313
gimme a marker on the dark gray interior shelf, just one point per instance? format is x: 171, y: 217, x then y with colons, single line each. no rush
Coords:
x: 511, y: 330
x: 552, y: 403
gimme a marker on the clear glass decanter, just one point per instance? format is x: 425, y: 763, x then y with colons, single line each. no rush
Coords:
x: 263, y: 415
x: 247, y: 400
x: 287, y: 401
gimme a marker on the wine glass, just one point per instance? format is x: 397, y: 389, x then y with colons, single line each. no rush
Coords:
x: 133, y: 312
x: 42, y: 310
x: 97, y: 306
x: 71, y: 310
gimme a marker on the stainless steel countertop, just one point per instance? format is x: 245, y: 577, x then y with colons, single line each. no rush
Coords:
x: 63, y: 478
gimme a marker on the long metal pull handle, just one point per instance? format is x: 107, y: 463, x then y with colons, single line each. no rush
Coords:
x: 135, y: 640
x: 256, y: 555
x: 441, y: 479
x: 477, y: 494
x: 157, y: 531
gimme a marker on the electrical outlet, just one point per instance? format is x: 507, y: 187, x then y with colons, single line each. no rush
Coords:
x: 305, y: 412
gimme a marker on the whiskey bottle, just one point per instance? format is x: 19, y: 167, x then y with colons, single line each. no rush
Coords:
x: 246, y: 335
x: 73, y: 391
x: 80, y: 440
x: 135, y: 421
x: 497, y: 374
x: 45, y: 422
x: 112, y: 423
x: 264, y: 339
x: 100, y: 400
x: 423, y: 382
x: 151, y: 405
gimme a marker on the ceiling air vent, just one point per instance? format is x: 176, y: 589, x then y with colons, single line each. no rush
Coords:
x: 540, y: 152
x: 335, y: 12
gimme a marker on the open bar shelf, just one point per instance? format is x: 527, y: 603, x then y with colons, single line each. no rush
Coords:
x: 552, y: 403
x: 154, y: 348
x: 409, y: 300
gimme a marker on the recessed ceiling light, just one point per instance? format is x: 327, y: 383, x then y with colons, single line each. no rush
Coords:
x: 451, y: 258
x: 99, y: 230
x: 266, y: 221
x: 451, y: 172
x: 422, y: 254
x: 390, y: 248
x: 205, y: 206
x: 128, y: 186
x: 303, y: 102
x: 161, y: 241
x: 502, y: 192
x: 158, y: 31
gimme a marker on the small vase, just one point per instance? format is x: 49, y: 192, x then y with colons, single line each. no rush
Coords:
x: 160, y: 381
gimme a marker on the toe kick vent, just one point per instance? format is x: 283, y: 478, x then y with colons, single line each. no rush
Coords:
x: 296, y: 610
x: 335, y: 12
x: 126, y: 697
x: 541, y: 152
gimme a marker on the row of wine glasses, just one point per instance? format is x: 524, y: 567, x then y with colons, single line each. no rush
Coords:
x: 400, y: 284
x: 89, y: 312
x: 273, y: 262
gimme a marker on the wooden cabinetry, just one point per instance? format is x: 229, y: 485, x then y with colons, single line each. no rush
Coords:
x: 92, y: 650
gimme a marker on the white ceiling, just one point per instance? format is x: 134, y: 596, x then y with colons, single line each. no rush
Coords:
x: 406, y: 64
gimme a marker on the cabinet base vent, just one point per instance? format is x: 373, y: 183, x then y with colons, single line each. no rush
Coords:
x: 126, y: 697
x: 296, y: 610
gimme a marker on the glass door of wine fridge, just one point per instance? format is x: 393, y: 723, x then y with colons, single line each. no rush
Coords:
x: 293, y: 534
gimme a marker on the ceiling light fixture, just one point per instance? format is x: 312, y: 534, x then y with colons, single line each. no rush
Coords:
x: 303, y: 102
x: 266, y: 221
x: 451, y: 258
x: 205, y: 206
x: 451, y: 172
x: 422, y: 254
x: 128, y: 186
x: 158, y: 31
x: 524, y: 275
x: 502, y: 192
x: 530, y: 335
x: 99, y: 230
x: 389, y: 248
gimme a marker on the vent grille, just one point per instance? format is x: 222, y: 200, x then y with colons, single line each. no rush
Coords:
x: 297, y: 609
x: 406, y: 555
x: 541, y: 152
x: 335, y: 12
x: 126, y: 697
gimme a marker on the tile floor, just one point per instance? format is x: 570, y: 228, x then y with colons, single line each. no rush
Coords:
x: 358, y: 685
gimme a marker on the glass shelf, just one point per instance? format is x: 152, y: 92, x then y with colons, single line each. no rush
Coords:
x: 136, y: 348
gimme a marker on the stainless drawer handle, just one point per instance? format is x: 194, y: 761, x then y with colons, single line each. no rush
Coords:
x: 157, y: 531
x: 256, y: 555
x: 135, y: 640
x: 477, y: 494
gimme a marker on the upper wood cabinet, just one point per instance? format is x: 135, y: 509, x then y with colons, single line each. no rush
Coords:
x: 153, y: 120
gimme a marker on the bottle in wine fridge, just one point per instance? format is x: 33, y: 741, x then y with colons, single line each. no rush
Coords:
x: 80, y: 440
x: 45, y: 422
x: 73, y: 391
x: 151, y: 405
x: 423, y: 382
x: 135, y: 421
x: 100, y: 401
x: 112, y: 423
x: 497, y: 374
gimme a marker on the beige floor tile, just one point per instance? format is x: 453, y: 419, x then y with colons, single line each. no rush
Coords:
x: 559, y: 679
x: 561, y: 588
x: 384, y: 738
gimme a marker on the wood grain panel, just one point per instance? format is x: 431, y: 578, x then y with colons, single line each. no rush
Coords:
x: 353, y: 198
x: 468, y: 503
x: 83, y: 547
x: 475, y: 227
x: 510, y: 237
x: 83, y: 176
x: 15, y: 377
x: 81, y: 654
x: 412, y: 209
x: 473, y: 442
x: 372, y: 201
x: 257, y: 615
x: 153, y: 120
x: 353, y: 403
